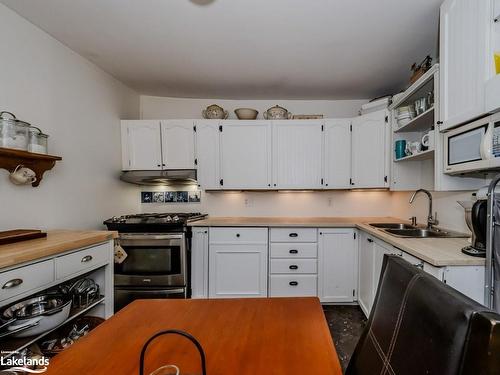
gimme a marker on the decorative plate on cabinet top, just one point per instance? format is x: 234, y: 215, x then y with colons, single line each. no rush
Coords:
x: 214, y: 112
x: 277, y: 113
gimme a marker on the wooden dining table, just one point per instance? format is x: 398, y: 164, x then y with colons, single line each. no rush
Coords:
x: 239, y: 337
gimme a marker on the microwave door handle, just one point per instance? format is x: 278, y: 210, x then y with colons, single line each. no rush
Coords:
x: 487, y: 143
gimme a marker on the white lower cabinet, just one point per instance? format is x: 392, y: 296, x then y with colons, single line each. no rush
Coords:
x: 337, y: 259
x: 366, y: 261
x: 237, y: 262
x: 199, y: 263
x: 468, y: 280
x: 293, y: 262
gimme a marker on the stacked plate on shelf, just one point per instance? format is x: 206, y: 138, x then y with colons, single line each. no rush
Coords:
x: 404, y: 115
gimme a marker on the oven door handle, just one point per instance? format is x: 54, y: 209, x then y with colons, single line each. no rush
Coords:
x: 150, y: 291
x: 135, y: 236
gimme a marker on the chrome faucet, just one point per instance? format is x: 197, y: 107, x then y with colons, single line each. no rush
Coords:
x: 430, y: 219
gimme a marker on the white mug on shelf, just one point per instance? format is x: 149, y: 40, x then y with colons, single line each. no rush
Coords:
x: 428, y: 140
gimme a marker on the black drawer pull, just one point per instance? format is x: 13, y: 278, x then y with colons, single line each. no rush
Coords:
x: 369, y: 240
x: 293, y: 234
x: 294, y: 267
x: 293, y: 283
x: 237, y: 234
x: 293, y: 251
x: 87, y: 258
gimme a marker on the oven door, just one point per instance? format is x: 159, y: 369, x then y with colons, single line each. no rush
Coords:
x: 124, y: 296
x: 156, y: 260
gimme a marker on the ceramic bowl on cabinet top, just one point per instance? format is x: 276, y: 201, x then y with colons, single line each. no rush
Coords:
x: 246, y: 113
x: 214, y: 112
x: 277, y: 113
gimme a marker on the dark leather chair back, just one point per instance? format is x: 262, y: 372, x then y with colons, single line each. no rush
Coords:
x: 419, y: 325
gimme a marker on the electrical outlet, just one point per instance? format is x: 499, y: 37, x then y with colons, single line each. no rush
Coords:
x: 330, y: 201
x: 248, y: 202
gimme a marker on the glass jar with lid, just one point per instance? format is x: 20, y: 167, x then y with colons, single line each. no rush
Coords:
x: 38, y: 141
x: 7, y: 129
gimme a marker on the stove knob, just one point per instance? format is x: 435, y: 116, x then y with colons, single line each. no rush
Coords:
x: 114, y: 219
x: 168, y: 218
x: 176, y: 218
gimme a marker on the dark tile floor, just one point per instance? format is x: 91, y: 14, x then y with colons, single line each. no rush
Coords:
x: 346, y: 324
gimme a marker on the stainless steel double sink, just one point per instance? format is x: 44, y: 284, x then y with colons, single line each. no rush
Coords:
x: 410, y: 231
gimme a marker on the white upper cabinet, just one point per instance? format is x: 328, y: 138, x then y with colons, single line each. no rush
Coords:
x: 337, y: 265
x: 177, y: 144
x: 297, y: 154
x: 207, y: 137
x: 369, y: 150
x: 141, y: 145
x: 464, y: 30
x: 337, y: 153
x: 246, y: 155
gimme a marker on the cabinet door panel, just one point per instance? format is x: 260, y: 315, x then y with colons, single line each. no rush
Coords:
x: 366, y: 265
x: 141, y: 145
x: 337, y: 265
x: 199, y: 263
x: 297, y: 154
x: 208, y: 154
x: 369, y: 150
x: 177, y: 144
x: 337, y: 154
x: 246, y: 155
x: 237, y: 271
x: 464, y: 60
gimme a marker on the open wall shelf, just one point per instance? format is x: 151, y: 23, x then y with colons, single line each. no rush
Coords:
x: 39, y: 163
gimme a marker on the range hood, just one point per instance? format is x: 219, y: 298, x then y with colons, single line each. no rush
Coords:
x: 159, y: 178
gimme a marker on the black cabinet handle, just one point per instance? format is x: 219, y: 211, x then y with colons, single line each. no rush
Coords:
x: 369, y: 240
x: 158, y: 165
x: 293, y: 234
x: 293, y: 251
x: 237, y: 234
x: 294, y: 267
x: 293, y: 283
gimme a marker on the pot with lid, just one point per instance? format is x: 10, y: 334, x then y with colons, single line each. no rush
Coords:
x: 277, y: 113
x: 13, y: 132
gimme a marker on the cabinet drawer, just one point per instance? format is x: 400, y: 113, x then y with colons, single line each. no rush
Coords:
x: 238, y: 235
x: 293, y: 285
x: 26, y: 278
x: 294, y: 266
x: 82, y: 260
x: 294, y: 235
x: 294, y: 250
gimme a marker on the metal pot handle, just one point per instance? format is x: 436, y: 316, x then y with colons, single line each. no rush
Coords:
x: 10, y: 113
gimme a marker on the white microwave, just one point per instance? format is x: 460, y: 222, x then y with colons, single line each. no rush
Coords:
x: 473, y: 147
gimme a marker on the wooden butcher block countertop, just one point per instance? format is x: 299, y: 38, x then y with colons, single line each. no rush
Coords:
x: 56, y: 242
x: 436, y: 251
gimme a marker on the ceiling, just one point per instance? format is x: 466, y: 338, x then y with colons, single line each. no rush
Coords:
x: 241, y: 49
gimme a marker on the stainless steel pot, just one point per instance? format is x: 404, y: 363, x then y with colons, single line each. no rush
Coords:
x: 40, y: 314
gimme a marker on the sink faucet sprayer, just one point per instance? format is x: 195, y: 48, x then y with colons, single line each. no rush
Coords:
x: 430, y: 219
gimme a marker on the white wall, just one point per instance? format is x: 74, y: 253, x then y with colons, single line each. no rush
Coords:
x: 79, y: 106
x: 153, y: 107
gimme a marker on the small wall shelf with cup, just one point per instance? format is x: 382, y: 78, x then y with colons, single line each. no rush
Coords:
x: 420, y: 123
x: 422, y: 155
x: 10, y: 159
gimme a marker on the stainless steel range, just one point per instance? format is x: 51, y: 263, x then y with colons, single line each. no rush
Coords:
x: 157, y: 249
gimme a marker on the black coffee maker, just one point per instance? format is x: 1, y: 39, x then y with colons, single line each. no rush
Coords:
x: 475, y: 217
